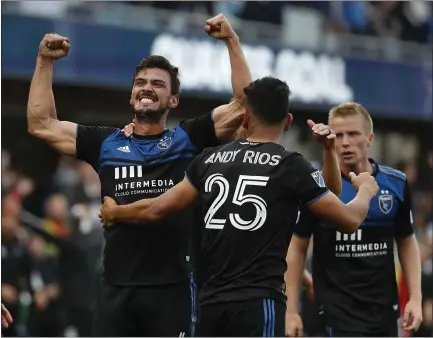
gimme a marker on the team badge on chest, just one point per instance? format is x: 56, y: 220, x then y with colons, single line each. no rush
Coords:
x: 165, y: 143
x: 386, y: 201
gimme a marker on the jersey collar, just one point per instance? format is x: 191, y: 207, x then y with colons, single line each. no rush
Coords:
x: 373, y: 164
x: 149, y: 137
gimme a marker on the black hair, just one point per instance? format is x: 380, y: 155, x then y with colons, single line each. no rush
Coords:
x: 268, y: 98
x: 160, y: 62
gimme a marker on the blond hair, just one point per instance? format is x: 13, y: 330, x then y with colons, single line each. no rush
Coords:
x: 351, y: 108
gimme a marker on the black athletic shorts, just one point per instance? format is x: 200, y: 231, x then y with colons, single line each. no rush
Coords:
x: 250, y: 318
x: 157, y: 311
x: 390, y: 330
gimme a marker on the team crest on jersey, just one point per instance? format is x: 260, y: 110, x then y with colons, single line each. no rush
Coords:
x: 317, y: 175
x: 165, y: 143
x: 386, y: 201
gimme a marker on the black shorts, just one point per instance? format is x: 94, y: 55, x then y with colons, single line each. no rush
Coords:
x: 157, y: 311
x: 387, y: 331
x: 250, y: 318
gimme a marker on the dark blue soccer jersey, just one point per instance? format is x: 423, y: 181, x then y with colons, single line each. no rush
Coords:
x: 131, y: 169
x: 354, y: 274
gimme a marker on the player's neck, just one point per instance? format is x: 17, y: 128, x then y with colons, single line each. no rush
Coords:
x: 359, y: 167
x: 148, y: 128
x: 264, y: 136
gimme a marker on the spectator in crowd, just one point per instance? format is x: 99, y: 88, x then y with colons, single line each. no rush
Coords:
x: 45, y: 319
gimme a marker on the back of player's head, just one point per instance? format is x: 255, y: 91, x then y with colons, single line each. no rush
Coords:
x: 160, y: 62
x: 350, y: 109
x: 268, y: 100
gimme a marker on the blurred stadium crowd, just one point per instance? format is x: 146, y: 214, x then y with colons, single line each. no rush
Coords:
x: 409, y: 21
x: 52, y: 240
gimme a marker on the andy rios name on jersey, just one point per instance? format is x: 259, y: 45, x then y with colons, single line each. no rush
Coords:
x: 348, y: 245
x: 143, y: 187
x: 252, y: 157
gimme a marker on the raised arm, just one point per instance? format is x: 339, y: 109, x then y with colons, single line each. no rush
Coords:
x: 228, y: 118
x: 348, y: 217
x: 331, y: 169
x: 41, y: 110
x: 176, y: 199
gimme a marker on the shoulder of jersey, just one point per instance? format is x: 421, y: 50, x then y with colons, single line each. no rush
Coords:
x: 392, y: 172
x: 214, y: 148
x: 116, y: 131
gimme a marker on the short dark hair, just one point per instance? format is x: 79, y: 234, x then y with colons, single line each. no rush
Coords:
x: 160, y: 62
x: 268, y: 97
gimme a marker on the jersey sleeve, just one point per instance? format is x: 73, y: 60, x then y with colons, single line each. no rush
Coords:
x: 201, y: 131
x: 196, y: 170
x: 403, y: 225
x: 306, y: 222
x: 89, y: 142
x: 304, y: 180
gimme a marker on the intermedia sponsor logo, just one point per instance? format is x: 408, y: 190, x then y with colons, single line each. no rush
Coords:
x: 133, y: 171
x: 130, y: 186
x: 356, y: 236
x: 350, y: 245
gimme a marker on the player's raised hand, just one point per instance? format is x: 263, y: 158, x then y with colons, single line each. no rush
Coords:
x: 322, y: 133
x: 364, y: 179
x: 128, y: 130
x: 294, y: 327
x: 219, y: 28
x: 6, y: 318
x: 106, y: 215
x: 53, y: 46
x: 412, y: 317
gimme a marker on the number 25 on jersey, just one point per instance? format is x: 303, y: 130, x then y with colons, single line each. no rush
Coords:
x: 239, y: 198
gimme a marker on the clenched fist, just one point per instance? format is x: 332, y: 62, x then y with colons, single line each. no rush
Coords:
x: 219, y: 28
x: 364, y: 179
x: 54, y: 46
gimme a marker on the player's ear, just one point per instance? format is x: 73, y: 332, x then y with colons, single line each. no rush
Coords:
x: 289, y: 120
x: 370, y: 140
x: 246, y: 121
x: 174, y: 101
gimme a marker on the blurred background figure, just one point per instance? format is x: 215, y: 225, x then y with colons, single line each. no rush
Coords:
x: 376, y: 53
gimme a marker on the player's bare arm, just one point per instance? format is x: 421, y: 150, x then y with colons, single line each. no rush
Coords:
x: 41, y: 109
x: 176, y: 199
x: 410, y: 260
x: 228, y: 117
x: 331, y: 169
x: 296, y: 256
x: 6, y: 317
x: 346, y: 218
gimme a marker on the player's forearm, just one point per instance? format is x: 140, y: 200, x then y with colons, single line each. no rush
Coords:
x: 241, y: 75
x: 307, y: 279
x: 138, y: 212
x: 331, y: 170
x: 355, y: 211
x: 41, y: 107
x: 410, y: 260
x: 293, y: 277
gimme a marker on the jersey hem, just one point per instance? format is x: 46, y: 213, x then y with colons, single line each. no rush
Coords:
x: 318, y: 197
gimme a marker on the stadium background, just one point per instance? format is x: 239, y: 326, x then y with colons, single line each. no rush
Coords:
x: 375, y: 53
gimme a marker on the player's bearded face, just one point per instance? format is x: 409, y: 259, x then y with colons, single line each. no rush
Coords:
x: 352, y: 140
x: 148, y: 107
x: 150, y: 95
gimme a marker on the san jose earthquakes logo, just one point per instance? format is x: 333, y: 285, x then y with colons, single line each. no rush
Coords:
x: 165, y: 143
x: 386, y: 201
x: 317, y: 175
